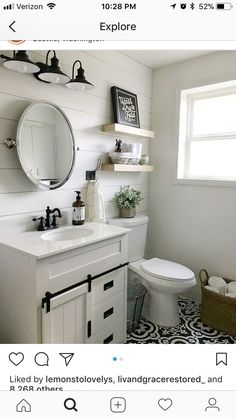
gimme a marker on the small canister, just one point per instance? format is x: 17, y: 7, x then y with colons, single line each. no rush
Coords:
x: 144, y: 159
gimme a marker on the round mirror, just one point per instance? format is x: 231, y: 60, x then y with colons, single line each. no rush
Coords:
x: 46, y: 145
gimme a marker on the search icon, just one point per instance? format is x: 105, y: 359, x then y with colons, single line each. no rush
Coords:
x: 70, y: 404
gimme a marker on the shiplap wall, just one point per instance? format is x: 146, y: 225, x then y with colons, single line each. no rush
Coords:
x: 20, y: 199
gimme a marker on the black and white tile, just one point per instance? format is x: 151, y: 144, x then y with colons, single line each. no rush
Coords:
x: 190, y: 330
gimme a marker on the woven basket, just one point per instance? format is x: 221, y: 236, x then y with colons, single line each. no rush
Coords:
x: 217, y: 310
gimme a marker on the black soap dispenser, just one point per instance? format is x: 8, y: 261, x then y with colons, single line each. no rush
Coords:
x: 78, y: 212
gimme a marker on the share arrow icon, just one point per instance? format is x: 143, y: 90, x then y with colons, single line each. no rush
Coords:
x: 67, y: 357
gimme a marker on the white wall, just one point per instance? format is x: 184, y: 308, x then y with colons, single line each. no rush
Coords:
x: 193, y: 225
x: 19, y: 198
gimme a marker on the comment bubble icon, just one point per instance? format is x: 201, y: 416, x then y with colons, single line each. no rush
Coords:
x: 41, y: 359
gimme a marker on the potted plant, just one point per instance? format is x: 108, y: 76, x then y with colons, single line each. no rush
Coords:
x: 127, y: 200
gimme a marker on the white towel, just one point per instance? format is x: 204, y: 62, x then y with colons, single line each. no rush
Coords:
x: 95, y: 202
x: 231, y: 294
x: 232, y: 287
x: 219, y: 283
x: 134, y: 148
x: 213, y: 289
x: 139, y: 149
x: 128, y: 148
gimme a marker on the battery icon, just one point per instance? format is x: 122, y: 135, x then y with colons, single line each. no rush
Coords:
x: 224, y: 6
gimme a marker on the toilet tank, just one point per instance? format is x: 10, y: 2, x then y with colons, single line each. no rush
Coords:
x: 137, y: 236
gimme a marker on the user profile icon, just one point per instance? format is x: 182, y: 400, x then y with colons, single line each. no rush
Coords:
x: 212, y: 405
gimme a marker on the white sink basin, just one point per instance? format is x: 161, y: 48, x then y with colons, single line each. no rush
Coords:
x: 70, y: 233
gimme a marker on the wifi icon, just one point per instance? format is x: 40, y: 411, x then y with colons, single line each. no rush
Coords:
x: 51, y: 5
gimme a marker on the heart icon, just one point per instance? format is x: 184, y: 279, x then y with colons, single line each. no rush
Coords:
x: 16, y: 358
x: 165, y: 404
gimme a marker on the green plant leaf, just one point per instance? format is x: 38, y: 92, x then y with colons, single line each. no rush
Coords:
x: 128, y: 197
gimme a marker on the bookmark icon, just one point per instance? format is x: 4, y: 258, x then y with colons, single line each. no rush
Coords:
x: 221, y: 358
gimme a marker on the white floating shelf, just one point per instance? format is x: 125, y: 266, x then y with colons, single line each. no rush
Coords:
x: 127, y: 130
x: 127, y: 167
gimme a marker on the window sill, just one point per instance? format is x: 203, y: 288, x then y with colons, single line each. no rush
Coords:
x: 206, y: 182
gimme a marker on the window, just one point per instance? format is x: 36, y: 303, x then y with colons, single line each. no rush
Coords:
x: 207, y: 134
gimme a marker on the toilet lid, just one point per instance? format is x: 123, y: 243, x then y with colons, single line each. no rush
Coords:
x: 167, y: 270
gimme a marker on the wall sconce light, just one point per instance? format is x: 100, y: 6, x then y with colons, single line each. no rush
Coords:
x: 51, y: 73
x: 79, y: 82
x: 20, y: 62
x: 47, y: 73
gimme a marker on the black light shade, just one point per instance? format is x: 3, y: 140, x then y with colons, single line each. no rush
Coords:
x: 79, y: 82
x: 47, y: 73
x: 20, y: 62
x: 52, y: 73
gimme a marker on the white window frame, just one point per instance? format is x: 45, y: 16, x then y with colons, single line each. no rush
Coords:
x: 186, y: 136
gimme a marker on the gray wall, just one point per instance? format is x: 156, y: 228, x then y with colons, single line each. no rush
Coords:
x: 190, y: 223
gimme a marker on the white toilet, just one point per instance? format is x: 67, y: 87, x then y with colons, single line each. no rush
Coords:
x: 163, y: 279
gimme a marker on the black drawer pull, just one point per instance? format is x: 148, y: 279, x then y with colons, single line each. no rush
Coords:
x: 108, y: 339
x: 108, y: 313
x: 89, y: 328
x: 108, y: 285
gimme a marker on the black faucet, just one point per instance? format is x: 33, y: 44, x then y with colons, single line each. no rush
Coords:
x: 41, y: 226
x: 54, y: 222
x: 46, y: 224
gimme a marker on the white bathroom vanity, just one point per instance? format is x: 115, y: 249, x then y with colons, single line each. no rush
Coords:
x: 64, y: 286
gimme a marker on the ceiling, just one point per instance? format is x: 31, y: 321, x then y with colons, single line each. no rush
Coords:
x: 159, y: 58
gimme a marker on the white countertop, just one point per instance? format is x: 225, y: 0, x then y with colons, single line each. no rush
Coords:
x: 32, y: 244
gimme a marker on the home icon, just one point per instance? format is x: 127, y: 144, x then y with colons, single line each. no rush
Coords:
x: 23, y: 406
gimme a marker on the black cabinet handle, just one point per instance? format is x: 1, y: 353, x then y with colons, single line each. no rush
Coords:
x: 108, y: 312
x: 89, y: 328
x: 108, y: 285
x: 108, y: 339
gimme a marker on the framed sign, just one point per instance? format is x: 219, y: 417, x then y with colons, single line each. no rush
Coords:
x: 125, y: 107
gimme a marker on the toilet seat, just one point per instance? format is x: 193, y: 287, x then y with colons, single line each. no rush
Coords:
x: 167, y: 270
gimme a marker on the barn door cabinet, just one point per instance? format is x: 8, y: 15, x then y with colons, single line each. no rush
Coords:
x: 76, y: 296
x: 90, y: 311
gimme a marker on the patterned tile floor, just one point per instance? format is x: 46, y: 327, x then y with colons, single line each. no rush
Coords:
x: 190, y: 329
